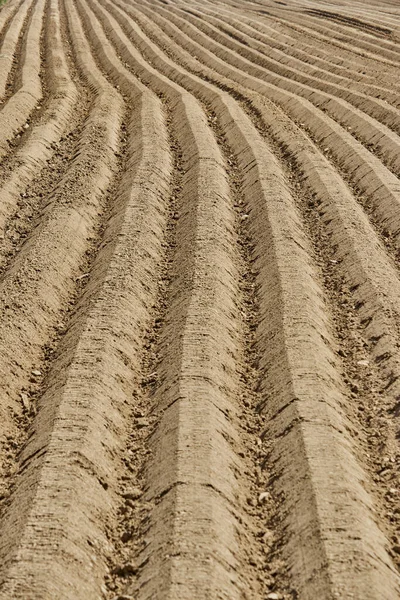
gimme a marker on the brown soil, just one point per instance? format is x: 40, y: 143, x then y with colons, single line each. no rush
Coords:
x: 199, y: 300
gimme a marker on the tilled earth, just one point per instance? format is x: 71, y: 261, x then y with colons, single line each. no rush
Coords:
x: 199, y: 300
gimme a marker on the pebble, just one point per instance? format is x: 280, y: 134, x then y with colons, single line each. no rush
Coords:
x: 274, y: 596
x: 363, y: 363
x: 263, y: 497
x: 36, y: 372
x: 133, y: 494
x: 25, y: 401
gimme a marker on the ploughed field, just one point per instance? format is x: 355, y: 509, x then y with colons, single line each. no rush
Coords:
x: 199, y: 300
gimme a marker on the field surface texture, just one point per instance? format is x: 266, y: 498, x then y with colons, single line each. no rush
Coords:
x: 199, y: 300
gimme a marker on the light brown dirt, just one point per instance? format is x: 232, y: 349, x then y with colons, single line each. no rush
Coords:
x: 199, y: 300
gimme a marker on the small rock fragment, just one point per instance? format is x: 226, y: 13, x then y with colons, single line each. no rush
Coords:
x: 25, y: 401
x: 36, y: 372
x: 133, y: 494
x: 263, y: 497
x: 274, y: 596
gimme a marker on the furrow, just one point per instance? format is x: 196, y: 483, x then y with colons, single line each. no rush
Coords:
x: 292, y: 413
x: 388, y: 48
x: 87, y: 404
x: 373, y: 133
x: 43, y: 147
x: 347, y: 43
x: 322, y: 46
x: 304, y: 56
x: 196, y: 396
x: 255, y: 40
x: 370, y: 274
x: 364, y: 169
x: 40, y: 281
x: 199, y: 300
x: 324, y: 182
x: 372, y: 29
x: 7, y: 12
x: 302, y: 71
x: 345, y: 63
x: 348, y: 21
x: 345, y: 68
x: 306, y: 426
x: 9, y: 46
x: 15, y: 113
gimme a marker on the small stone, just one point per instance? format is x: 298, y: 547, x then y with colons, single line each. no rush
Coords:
x: 274, y: 596
x: 133, y: 494
x: 26, y: 126
x: 263, y: 497
x: 36, y: 372
x: 25, y: 401
x: 267, y: 537
x: 363, y: 363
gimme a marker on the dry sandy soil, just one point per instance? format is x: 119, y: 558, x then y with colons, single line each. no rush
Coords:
x: 199, y: 300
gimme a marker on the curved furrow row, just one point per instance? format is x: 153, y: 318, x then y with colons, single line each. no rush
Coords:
x: 363, y: 168
x: 343, y: 63
x: 9, y: 44
x: 323, y: 584
x: 14, y: 114
x: 195, y: 436
x: 41, y: 144
x: 7, y: 12
x: 275, y: 116
x: 378, y: 137
x: 298, y: 70
x: 371, y: 275
x: 304, y: 57
x: 288, y: 22
x: 384, y: 49
x: 375, y: 18
x: 364, y: 40
x: 40, y: 281
x: 301, y: 23
x: 199, y: 300
x: 66, y: 481
x: 368, y: 25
